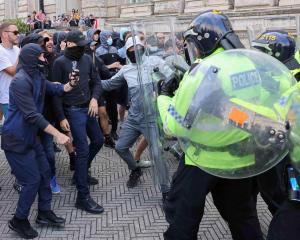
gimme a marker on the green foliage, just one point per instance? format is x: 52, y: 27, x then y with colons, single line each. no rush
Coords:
x: 22, y: 27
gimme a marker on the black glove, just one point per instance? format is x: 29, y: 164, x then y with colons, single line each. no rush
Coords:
x: 167, y: 88
x: 74, y: 78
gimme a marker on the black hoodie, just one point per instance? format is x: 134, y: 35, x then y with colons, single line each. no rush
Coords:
x: 26, y: 102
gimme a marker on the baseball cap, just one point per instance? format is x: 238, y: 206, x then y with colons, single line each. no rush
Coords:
x: 130, y: 43
x: 77, y: 37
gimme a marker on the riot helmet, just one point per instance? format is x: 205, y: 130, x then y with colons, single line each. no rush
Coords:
x: 205, y: 33
x: 278, y: 44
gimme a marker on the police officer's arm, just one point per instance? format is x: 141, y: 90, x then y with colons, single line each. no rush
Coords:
x: 22, y: 92
x: 116, y: 82
x: 164, y: 104
x: 165, y: 69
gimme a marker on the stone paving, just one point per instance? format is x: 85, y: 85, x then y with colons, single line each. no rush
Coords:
x: 134, y: 214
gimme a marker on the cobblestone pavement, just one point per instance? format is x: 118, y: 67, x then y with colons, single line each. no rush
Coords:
x: 129, y: 214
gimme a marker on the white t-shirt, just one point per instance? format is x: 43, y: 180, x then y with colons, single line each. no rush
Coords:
x: 8, y: 57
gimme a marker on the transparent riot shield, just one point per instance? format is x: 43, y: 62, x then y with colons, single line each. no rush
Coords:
x: 297, y: 54
x: 232, y: 114
x: 254, y: 31
x: 157, y: 60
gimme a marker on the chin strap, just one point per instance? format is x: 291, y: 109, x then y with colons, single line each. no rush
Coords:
x: 231, y: 41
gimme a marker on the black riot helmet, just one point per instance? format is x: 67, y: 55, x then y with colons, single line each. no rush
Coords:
x: 207, y: 32
x: 278, y: 44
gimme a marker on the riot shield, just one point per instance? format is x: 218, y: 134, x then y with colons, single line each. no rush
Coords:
x: 234, y: 121
x: 157, y: 60
x: 297, y: 54
x: 253, y: 31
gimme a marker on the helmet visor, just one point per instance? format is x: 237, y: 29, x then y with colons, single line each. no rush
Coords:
x: 262, y: 47
x: 193, y: 50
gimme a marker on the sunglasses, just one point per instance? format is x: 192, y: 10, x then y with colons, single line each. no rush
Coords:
x: 14, y: 32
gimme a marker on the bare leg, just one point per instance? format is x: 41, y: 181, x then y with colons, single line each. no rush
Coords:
x: 141, y: 146
x: 108, y: 141
x: 104, y: 120
x: 122, y: 110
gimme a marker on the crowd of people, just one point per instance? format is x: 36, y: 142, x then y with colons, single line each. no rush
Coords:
x: 40, y: 20
x: 72, y: 86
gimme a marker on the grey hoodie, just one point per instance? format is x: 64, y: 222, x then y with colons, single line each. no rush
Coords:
x: 129, y: 73
x: 104, y: 47
x: 90, y: 34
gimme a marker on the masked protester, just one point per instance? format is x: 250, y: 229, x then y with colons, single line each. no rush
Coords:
x: 77, y: 112
x: 135, y: 124
x: 104, y: 73
x: 20, y: 140
x: 110, y: 57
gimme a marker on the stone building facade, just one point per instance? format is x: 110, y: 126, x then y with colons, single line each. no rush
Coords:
x: 115, y: 13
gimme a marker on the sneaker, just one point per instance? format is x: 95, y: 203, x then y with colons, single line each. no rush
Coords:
x: 89, y: 205
x: 144, y: 163
x: 109, y: 142
x: 22, y: 227
x: 17, y: 186
x: 55, y: 188
x: 114, y: 135
x: 91, y: 180
x: 134, y: 177
x: 49, y: 218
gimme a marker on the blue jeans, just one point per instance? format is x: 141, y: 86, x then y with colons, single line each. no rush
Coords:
x: 4, y: 109
x: 32, y: 172
x: 82, y: 126
x: 130, y: 132
x: 47, y: 142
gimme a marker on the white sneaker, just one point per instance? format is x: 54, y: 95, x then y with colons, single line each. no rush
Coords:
x: 144, y: 163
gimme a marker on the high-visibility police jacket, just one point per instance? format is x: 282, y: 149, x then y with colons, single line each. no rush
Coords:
x: 213, y: 153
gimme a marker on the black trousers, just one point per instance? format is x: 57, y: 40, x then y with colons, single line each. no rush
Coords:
x: 285, y: 224
x: 184, y: 206
x: 112, y: 109
x: 272, y: 186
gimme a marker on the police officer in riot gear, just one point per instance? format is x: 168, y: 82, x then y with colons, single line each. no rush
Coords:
x: 279, y: 186
x: 210, y: 33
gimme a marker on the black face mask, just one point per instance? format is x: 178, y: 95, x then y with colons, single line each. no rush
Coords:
x: 132, y: 58
x: 43, y: 66
x: 74, y: 53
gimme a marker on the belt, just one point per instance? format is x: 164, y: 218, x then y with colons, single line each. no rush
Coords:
x: 83, y: 105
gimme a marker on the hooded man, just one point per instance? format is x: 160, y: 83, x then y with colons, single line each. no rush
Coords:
x: 93, y: 35
x: 21, y: 143
x: 110, y: 57
x: 136, y: 124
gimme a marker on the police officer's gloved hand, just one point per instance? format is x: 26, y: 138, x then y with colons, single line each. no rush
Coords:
x: 167, y: 88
